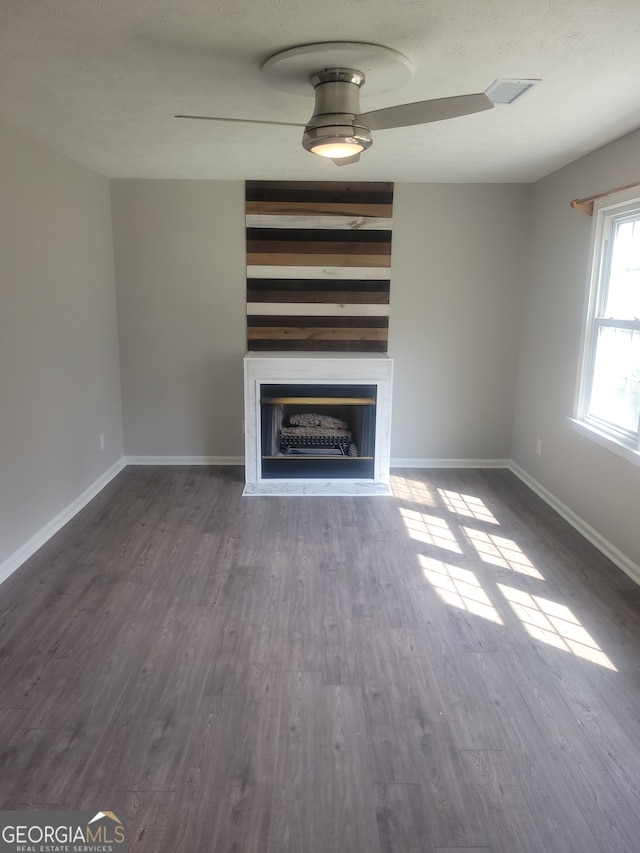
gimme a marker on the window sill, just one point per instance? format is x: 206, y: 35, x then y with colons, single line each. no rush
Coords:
x: 606, y: 440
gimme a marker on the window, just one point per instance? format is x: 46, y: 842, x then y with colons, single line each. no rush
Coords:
x: 609, y: 393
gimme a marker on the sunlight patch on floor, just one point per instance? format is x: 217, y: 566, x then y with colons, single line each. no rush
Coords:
x: 429, y: 529
x: 467, y: 505
x: 459, y: 588
x: 412, y: 490
x: 501, y: 552
x: 554, y: 624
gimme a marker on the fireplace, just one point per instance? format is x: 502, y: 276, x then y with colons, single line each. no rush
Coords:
x: 317, y: 424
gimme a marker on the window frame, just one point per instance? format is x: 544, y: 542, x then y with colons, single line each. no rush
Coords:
x: 607, y: 213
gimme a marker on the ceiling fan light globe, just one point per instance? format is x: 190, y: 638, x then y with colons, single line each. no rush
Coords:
x: 336, y: 141
x: 337, y: 150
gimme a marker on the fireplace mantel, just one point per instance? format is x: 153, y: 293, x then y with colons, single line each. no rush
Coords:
x: 321, y: 369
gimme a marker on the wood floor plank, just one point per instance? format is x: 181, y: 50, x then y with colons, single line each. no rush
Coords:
x: 149, y: 815
x: 429, y: 816
x: 449, y: 668
x: 408, y: 728
x: 510, y: 824
x: 571, y: 758
x: 321, y: 633
x: 229, y: 769
x: 323, y: 787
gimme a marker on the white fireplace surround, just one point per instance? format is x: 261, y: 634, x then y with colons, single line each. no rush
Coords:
x: 315, y: 368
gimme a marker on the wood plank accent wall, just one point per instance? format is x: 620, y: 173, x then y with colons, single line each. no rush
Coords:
x: 318, y: 265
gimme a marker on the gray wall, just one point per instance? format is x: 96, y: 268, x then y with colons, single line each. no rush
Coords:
x: 181, y: 283
x: 59, y: 370
x: 456, y: 293
x: 486, y: 310
x: 602, y: 488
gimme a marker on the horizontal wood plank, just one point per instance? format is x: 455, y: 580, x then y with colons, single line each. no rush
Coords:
x: 344, y: 297
x: 339, y: 186
x: 293, y: 321
x: 316, y: 260
x: 317, y: 247
x: 322, y: 192
x: 318, y: 236
x: 269, y: 271
x: 313, y: 309
x: 315, y: 333
x: 354, y: 285
x: 355, y: 223
x: 324, y: 208
x: 316, y: 345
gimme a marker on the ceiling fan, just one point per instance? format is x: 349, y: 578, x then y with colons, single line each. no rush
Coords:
x: 336, y: 71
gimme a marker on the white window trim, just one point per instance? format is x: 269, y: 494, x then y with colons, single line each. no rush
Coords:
x: 623, y: 445
x: 615, y: 445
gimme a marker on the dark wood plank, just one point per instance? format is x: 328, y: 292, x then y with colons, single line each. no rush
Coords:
x: 318, y: 345
x: 318, y: 237
x: 318, y: 332
x: 319, y: 258
x: 344, y: 297
x: 328, y: 284
x: 342, y: 186
x: 296, y: 321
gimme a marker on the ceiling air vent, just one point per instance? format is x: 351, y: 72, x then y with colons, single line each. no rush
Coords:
x: 506, y: 91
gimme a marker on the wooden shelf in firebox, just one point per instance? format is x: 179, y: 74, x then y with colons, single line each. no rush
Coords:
x: 321, y: 401
x: 306, y: 456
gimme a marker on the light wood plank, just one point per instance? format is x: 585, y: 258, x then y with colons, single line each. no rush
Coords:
x: 324, y: 208
x: 322, y: 271
x: 338, y: 223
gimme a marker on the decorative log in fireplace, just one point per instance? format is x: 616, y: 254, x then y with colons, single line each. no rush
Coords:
x: 316, y: 424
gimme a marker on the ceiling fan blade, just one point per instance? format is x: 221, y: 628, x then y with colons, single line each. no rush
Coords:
x: 243, y: 120
x: 345, y: 161
x: 423, y: 112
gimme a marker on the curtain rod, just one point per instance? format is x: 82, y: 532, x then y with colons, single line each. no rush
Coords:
x: 586, y: 204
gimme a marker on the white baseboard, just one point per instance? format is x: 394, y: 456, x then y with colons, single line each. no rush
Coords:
x: 607, y: 548
x: 450, y: 463
x: 29, y: 548
x: 184, y: 460
x: 45, y: 533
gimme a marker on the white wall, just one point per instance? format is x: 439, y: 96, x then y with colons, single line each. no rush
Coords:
x: 602, y: 488
x: 456, y: 292
x: 59, y: 370
x: 181, y: 282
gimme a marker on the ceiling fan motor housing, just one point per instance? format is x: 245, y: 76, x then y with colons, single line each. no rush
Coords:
x: 337, y: 105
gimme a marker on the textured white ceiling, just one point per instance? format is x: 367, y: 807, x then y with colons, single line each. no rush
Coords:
x: 100, y: 81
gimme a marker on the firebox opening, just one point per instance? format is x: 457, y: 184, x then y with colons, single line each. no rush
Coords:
x: 318, y: 431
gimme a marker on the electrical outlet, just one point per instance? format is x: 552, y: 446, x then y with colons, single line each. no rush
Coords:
x: 101, y: 441
x: 539, y: 447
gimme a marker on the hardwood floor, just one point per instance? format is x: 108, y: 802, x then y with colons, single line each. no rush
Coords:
x: 451, y: 669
